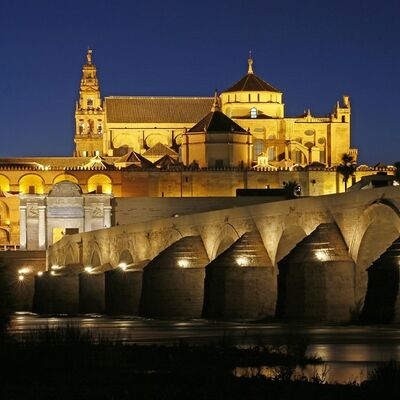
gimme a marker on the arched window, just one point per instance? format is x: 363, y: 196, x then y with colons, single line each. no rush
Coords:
x: 322, y: 156
x: 258, y: 148
x: 297, y: 157
x: 253, y: 113
x: 90, y: 102
x: 271, y: 153
x: 81, y: 128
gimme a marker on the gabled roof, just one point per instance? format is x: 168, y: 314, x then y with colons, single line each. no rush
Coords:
x: 217, y: 121
x: 131, y: 157
x: 159, y: 150
x: 135, y: 160
x: 156, y: 109
x: 97, y: 162
x: 166, y: 161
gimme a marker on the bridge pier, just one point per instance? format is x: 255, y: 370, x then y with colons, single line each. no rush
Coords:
x: 56, y: 293
x: 241, y: 282
x: 382, y: 304
x: 123, y: 289
x: 91, y: 293
x: 173, y: 282
x: 316, y: 279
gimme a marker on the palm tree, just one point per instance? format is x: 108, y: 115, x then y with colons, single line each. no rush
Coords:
x: 347, y: 168
x: 292, y: 189
x: 397, y: 171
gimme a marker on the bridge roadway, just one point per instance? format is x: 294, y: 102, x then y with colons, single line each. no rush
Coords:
x: 327, y: 258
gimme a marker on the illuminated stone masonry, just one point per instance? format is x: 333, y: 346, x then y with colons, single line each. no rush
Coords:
x: 309, y: 256
x: 45, y: 219
x: 117, y: 125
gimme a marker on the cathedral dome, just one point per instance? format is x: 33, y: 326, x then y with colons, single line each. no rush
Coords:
x: 252, y: 83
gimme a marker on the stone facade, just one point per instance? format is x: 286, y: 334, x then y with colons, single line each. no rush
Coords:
x: 117, y: 125
x: 45, y: 219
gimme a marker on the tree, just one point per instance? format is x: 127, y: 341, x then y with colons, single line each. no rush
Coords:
x: 397, y: 172
x: 347, y: 168
x: 292, y: 189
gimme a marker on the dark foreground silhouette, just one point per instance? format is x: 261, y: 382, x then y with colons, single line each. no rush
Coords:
x: 67, y: 363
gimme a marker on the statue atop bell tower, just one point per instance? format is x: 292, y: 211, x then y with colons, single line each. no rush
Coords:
x: 89, y: 113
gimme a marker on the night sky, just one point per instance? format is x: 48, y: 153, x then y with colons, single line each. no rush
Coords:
x: 313, y: 51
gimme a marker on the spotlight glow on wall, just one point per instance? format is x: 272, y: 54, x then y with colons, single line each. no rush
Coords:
x: 183, y: 263
x: 24, y: 271
x: 123, y: 266
x: 40, y: 273
x: 321, y: 255
x: 242, y: 261
x: 88, y: 269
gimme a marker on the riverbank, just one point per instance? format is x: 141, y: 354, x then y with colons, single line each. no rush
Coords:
x: 69, y: 363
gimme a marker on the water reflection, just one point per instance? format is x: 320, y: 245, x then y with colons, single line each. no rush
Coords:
x: 331, y: 372
x: 348, y: 351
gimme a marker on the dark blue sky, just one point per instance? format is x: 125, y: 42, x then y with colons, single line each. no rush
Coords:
x: 314, y: 51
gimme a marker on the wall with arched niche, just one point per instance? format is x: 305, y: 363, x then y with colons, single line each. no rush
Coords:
x: 65, y: 177
x: 99, y: 183
x: 31, y: 184
x: 4, y: 184
x: 4, y: 214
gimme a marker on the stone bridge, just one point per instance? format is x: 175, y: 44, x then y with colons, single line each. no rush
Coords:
x: 328, y: 258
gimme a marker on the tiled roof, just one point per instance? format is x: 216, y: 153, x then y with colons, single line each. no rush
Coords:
x: 166, y: 161
x: 156, y: 109
x: 136, y: 161
x: 159, y: 150
x: 217, y: 121
x: 52, y: 163
x: 252, y: 83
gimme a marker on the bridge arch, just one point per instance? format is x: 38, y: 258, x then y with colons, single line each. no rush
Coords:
x: 125, y: 257
x: 71, y: 255
x: 290, y: 236
x: 95, y: 259
x: 376, y: 229
x: 227, y: 236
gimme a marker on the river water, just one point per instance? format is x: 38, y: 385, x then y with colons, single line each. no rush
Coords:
x: 348, y: 351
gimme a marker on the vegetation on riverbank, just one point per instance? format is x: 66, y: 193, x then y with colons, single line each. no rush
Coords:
x: 68, y: 363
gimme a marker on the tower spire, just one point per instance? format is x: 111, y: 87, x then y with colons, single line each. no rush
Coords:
x: 250, y: 64
x: 89, y: 55
x: 215, y: 106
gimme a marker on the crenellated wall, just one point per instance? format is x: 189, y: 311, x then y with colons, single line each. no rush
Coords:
x: 367, y: 223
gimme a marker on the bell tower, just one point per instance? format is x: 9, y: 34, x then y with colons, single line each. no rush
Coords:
x: 89, y: 113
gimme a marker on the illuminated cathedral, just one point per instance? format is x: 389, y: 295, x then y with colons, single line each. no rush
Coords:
x: 244, y: 126
x: 149, y: 147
